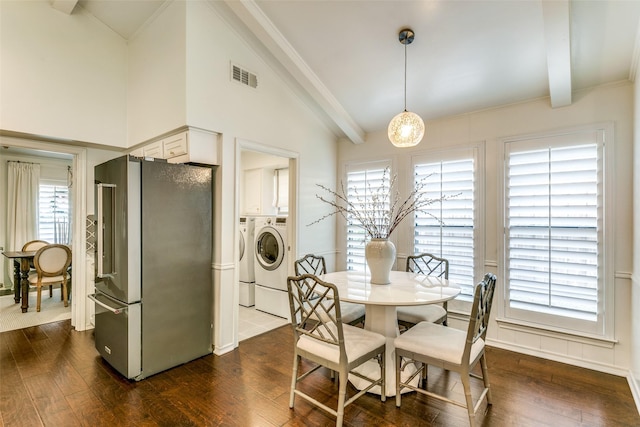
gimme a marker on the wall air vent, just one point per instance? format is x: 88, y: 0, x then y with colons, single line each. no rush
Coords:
x: 243, y: 76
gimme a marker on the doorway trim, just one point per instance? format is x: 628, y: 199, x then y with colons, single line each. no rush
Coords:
x: 292, y: 221
x: 79, y: 312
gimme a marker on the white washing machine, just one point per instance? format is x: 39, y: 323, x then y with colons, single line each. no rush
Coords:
x: 247, y: 280
x: 271, y: 265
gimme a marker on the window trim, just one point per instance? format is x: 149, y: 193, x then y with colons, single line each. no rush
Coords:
x: 605, y: 326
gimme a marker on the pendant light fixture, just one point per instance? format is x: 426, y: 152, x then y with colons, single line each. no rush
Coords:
x: 407, y: 128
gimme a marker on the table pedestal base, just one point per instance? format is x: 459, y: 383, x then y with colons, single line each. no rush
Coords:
x: 382, y: 319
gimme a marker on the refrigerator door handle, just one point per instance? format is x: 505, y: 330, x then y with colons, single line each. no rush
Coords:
x: 100, y: 230
x: 94, y: 298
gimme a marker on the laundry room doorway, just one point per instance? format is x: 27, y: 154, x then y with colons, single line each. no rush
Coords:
x: 266, y: 185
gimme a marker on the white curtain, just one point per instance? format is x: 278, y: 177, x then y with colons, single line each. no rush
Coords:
x: 22, y: 204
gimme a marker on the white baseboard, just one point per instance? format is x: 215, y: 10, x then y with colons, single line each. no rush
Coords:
x: 562, y: 358
x: 219, y: 351
x: 634, y: 385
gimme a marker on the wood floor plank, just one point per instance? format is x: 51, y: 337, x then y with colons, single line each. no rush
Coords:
x: 89, y: 409
x: 52, y: 375
x: 16, y: 406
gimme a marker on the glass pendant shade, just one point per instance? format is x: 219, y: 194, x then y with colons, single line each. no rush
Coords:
x: 406, y: 129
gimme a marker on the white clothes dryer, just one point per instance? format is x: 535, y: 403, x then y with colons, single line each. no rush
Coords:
x: 247, y: 238
x: 272, y: 266
x: 246, y: 284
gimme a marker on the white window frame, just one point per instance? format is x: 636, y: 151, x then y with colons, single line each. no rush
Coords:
x: 359, y: 167
x: 477, y: 153
x: 603, y: 327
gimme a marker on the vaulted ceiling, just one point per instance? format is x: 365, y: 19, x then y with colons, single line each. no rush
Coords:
x: 467, y: 55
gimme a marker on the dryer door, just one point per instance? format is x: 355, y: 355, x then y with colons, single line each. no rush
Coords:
x: 242, y: 243
x: 270, y: 248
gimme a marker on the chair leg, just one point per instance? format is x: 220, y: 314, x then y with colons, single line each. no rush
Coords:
x: 425, y: 374
x: 342, y: 396
x: 64, y: 294
x: 464, y: 376
x: 294, y: 379
x: 51, y: 291
x: 398, y: 364
x: 485, y: 377
x: 383, y: 376
x: 39, y: 298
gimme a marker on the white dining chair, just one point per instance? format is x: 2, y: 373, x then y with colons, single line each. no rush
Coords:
x: 450, y: 349
x: 431, y: 265
x: 352, y: 313
x: 322, y: 338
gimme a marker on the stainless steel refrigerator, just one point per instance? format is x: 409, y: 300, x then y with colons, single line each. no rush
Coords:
x: 154, y: 290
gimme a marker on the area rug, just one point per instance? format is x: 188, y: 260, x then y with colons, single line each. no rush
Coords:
x: 52, y: 310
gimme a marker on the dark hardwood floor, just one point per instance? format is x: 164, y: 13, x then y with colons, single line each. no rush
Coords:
x: 52, y: 375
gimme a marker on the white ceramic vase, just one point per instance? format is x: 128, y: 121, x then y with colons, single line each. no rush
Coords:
x: 380, y: 255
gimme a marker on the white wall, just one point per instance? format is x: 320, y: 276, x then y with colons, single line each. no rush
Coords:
x: 62, y: 75
x: 609, y: 103
x: 157, y: 76
x: 634, y: 380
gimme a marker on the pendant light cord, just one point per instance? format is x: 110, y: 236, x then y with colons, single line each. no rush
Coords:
x: 405, y: 76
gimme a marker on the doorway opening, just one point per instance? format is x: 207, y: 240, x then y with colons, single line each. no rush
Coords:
x: 73, y: 159
x: 265, y: 194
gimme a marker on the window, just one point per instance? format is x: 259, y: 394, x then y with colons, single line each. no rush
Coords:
x: 554, y: 231
x: 361, y: 178
x: 448, y: 228
x: 53, y: 212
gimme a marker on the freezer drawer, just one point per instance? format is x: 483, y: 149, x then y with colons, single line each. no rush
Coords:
x: 118, y: 338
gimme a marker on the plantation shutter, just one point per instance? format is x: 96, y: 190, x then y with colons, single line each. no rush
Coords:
x: 454, y: 237
x: 53, y: 212
x: 360, y: 180
x: 554, y: 205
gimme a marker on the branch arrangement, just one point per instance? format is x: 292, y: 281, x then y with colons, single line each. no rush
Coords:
x: 383, y: 211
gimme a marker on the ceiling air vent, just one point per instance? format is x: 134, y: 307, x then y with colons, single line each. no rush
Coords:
x: 243, y: 76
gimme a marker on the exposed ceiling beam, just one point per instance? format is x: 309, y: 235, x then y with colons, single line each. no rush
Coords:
x: 257, y: 22
x: 65, y: 6
x: 557, y: 34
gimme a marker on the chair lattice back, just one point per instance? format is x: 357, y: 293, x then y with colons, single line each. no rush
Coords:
x: 310, y: 264
x: 315, y: 309
x: 428, y: 264
x: 481, y: 308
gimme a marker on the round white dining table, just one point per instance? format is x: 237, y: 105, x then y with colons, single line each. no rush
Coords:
x: 380, y: 303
